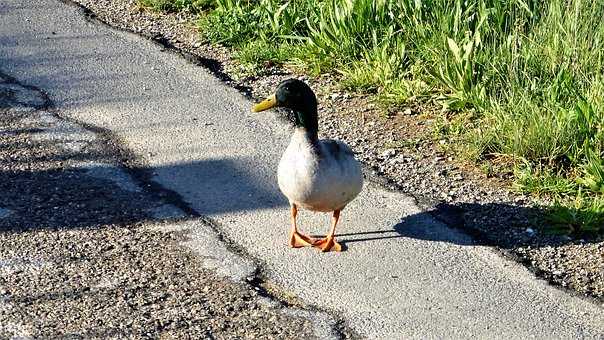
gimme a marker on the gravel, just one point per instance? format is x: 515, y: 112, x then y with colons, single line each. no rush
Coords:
x: 397, y: 149
x: 84, y: 255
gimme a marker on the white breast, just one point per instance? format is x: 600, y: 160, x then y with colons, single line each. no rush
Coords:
x: 319, y: 181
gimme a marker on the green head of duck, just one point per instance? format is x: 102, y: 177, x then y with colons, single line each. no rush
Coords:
x: 297, y: 96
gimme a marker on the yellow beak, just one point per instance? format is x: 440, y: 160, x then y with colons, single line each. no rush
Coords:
x: 266, y: 104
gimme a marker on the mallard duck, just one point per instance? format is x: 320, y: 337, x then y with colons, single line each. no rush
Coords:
x: 314, y: 174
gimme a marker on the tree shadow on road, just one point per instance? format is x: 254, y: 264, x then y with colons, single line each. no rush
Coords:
x: 55, y: 173
x: 96, y: 192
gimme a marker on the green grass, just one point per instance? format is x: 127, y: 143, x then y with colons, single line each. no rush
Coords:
x: 518, y: 79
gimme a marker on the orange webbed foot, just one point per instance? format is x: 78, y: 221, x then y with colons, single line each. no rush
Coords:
x: 327, y: 244
x: 297, y: 240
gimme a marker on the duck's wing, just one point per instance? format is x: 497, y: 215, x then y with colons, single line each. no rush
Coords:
x: 334, y: 149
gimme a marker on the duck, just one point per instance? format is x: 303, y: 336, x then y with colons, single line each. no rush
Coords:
x: 319, y: 175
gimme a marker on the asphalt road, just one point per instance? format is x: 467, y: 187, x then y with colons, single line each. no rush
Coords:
x: 404, y: 275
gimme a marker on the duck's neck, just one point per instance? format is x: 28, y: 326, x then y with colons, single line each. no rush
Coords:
x: 303, y: 135
x: 307, y: 122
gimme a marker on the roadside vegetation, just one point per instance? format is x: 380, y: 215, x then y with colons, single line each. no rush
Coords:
x: 520, y: 81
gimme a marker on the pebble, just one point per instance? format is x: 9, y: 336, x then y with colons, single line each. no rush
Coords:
x: 388, y: 153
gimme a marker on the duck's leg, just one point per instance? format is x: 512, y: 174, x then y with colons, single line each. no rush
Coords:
x: 297, y: 240
x: 329, y: 243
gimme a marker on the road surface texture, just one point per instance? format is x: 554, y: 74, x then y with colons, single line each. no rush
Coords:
x: 404, y: 275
